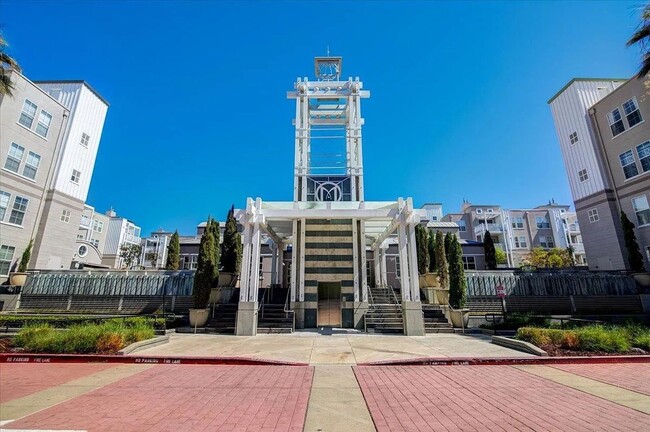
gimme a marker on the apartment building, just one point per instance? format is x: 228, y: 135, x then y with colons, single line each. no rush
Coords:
x: 121, y: 232
x: 604, y: 137
x: 154, y: 249
x: 518, y: 231
x: 91, y: 238
x: 50, y: 137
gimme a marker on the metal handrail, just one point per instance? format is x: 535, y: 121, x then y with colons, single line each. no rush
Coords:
x: 287, y: 310
x: 393, y: 292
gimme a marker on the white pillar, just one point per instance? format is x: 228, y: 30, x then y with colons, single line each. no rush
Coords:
x: 377, y: 263
x: 274, y: 263
x: 255, y: 264
x: 403, y: 260
x: 246, y: 263
x: 364, y: 262
x: 413, y: 264
x: 383, y: 273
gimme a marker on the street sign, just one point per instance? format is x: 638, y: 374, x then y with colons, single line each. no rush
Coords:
x: 501, y: 291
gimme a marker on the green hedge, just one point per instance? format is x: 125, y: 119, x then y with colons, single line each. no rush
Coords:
x: 593, y: 338
x: 105, y: 338
x: 65, y: 321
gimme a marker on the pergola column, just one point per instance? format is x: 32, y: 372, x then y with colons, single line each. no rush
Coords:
x: 403, y: 260
x: 377, y: 263
x: 250, y: 277
x: 411, y: 307
x: 413, y: 263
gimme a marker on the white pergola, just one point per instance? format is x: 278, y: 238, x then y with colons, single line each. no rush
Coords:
x: 379, y: 221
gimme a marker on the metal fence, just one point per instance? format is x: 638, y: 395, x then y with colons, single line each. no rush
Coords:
x: 549, y: 284
x: 102, y: 283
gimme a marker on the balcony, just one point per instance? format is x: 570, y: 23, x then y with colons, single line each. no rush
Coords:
x: 578, y: 248
x: 85, y: 221
x: 130, y: 238
x: 574, y: 227
x: 492, y: 227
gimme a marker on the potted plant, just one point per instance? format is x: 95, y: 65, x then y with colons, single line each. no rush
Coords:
x: 457, y: 286
x: 205, y: 276
x: 442, y: 290
x: 20, y: 277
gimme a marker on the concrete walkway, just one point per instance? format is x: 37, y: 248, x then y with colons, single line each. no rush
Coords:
x: 344, y: 348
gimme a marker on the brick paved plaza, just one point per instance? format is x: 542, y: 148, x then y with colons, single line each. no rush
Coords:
x: 136, y: 397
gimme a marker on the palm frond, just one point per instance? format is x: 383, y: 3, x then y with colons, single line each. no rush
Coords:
x: 640, y: 35
x: 6, y: 86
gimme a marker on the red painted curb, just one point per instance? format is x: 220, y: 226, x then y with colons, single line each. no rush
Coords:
x: 118, y: 359
x: 496, y: 361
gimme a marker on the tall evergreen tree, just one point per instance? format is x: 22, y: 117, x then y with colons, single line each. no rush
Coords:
x: 422, y: 247
x: 173, y: 252
x: 431, y: 246
x: 231, y: 248
x: 206, y: 271
x: 457, y: 281
x: 448, y: 241
x: 634, y: 257
x: 490, y: 252
x: 213, y: 227
x: 441, y: 260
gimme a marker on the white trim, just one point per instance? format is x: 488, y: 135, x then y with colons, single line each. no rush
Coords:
x: 26, y: 128
x: 18, y: 175
x: 11, y: 224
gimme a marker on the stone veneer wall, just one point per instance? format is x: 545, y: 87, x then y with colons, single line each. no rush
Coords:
x: 328, y: 258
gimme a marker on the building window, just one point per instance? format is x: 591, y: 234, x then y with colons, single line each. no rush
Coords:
x: 582, y: 175
x: 520, y: 242
x: 632, y: 112
x: 573, y: 137
x: 469, y: 263
x: 616, y: 122
x: 490, y: 210
x: 65, y: 216
x: 31, y: 165
x: 44, y: 120
x: 4, y: 204
x: 628, y: 164
x: 18, y: 211
x: 14, y: 157
x: 546, y: 242
x: 27, y: 115
x: 642, y: 210
x: 82, y: 251
x: 76, y: 175
x: 98, y: 226
x: 643, y: 151
x: 85, y: 138
x: 95, y: 242
x: 434, y: 218
x: 542, y: 222
x: 479, y: 211
x: 593, y: 215
x: 518, y: 222
x: 461, y: 226
x: 6, y: 257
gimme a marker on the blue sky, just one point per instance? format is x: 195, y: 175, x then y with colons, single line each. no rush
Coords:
x: 199, y: 117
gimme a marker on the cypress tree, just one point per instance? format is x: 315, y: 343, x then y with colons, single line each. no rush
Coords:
x: 173, y: 252
x: 441, y: 260
x: 431, y: 246
x: 205, y: 270
x: 448, y: 242
x: 231, y: 248
x: 457, y: 282
x: 421, y: 245
x: 26, y: 257
x: 213, y: 227
x: 634, y: 257
x: 490, y: 251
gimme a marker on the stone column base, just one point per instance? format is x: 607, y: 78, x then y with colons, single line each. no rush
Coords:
x: 299, y: 312
x: 360, y: 309
x: 247, y: 319
x: 413, y: 321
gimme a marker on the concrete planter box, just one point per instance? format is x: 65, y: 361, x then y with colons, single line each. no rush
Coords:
x: 143, y: 345
x: 442, y: 295
x: 198, y: 317
x: 227, y: 279
x: 17, y: 279
x: 459, y: 318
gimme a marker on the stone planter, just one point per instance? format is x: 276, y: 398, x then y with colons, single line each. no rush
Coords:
x: 459, y: 318
x: 431, y: 280
x: 442, y: 295
x: 198, y: 317
x: 17, y: 279
x: 430, y: 294
x: 227, y: 279
x: 642, y: 279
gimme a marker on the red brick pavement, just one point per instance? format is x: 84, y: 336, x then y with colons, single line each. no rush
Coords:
x: 188, y: 398
x: 635, y: 377
x: 18, y: 380
x: 485, y: 398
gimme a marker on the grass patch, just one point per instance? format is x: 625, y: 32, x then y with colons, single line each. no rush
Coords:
x: 105, y: 338
x: 67, y: 321
x: 592, y: 338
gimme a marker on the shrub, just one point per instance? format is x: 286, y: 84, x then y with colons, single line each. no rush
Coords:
x: 600, y: 338
x: 642, y: 341
x: 536, y: 336
x: 110, y: 343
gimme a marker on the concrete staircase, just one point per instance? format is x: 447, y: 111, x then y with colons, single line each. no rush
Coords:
x: 273, y: 319
x: 384, y: 313
x: 224, y: 319
x: 434, y: 320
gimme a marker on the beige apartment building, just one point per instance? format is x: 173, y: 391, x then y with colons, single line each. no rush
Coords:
x: 605, y: 140
x: 518, y: 231
x: 49, y: 141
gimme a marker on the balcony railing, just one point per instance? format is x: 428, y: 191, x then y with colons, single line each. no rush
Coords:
x: 85, y: 221
x: 132, y: 239
x: 493, y: 228
x: 574, y: 227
